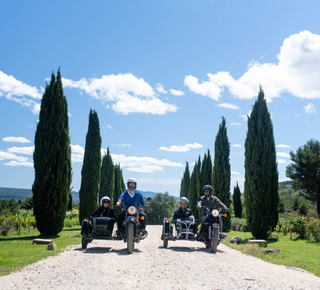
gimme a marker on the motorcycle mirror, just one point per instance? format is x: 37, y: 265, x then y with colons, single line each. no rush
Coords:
x: 149, y: 199
x: 198, y: 198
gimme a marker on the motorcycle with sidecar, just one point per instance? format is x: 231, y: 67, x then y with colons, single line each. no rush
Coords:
x: 102, y: 228
x: 210, y: 235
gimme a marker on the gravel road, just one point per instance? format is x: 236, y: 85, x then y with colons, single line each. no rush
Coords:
x: 183, y: 265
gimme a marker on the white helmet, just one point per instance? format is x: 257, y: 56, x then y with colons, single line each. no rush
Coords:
x: 133, y: 180
x: 104, y: 198
x: 184, y: 199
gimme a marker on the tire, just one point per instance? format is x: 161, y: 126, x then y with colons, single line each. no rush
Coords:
x: 84, y: 243
x: 165, y: 243
x: 214, y: 240
x: 130, y: 238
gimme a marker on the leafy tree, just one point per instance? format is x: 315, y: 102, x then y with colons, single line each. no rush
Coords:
x: 160, y: 207
x: 221, y: 169
x: 237, y: 204
x: 261, y: 172
x: 90, y: 173
x: 305, y: 171
x: 52, y: 160
x: 185, y: 181
x: 70, y: 201
x: 107, y: 177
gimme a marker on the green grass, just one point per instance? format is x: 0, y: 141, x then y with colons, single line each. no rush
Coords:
x: 17, y: 251
x: 293, y: 253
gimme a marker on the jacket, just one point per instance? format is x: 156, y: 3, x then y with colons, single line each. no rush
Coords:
x: 182, y: 214
x: 104, y: 212
x: 212, y: 203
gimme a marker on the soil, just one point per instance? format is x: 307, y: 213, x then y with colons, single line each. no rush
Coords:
x: 183, y: 265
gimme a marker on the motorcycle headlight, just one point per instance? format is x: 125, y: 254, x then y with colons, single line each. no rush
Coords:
x: 215, y: 213
x: 132, y: 210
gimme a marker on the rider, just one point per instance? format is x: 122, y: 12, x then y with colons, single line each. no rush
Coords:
x: 104, y: 210
x: 183, y: 213
x: 129, y: 197
x: 211, y: 202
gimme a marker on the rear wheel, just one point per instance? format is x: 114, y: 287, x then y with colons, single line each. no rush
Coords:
x: 214, y: 240
x: 130, y: 238
x: 84, y: 243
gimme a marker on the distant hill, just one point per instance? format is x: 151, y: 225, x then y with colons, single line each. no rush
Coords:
x: 22, y: 194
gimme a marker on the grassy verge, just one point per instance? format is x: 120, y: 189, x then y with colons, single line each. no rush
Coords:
x: 17, y: 251
x: 293, y: 253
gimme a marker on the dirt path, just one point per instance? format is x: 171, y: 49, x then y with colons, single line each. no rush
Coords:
x: 183, y: 265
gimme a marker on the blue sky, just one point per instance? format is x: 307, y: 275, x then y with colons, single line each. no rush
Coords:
x: 160, y: 75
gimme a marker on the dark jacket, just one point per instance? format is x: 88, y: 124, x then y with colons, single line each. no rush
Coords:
x: 182, y: 214
x: 104, y: 212
x: 212, y: 203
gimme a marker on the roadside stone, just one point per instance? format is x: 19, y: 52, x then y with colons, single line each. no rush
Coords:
x: 52, y: 247
x: 271, y: 251
x: 236, y: 240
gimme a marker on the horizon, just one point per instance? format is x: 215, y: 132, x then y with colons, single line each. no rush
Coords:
x: 160, y: 76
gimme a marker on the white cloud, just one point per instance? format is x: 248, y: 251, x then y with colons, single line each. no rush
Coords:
x: 281, y: 161
x: 283, y: 146
x: 237, y: 145
x: 77, y: 153
x: 235, y: 124
x: 122, y: 145
x: 19, y: 163
x: 16, y: 139
x: 184, y: 148
x: 235, y: 173
x: 228, y: 106
x: 283, y: 154
x: 8, y: 155
x: 310, y: 108
x: 126, y: 92
x: 15, y: 90
x: 297, y: 72
x: 176, y: 92
x: 22, y: 150
x: 160, y: 89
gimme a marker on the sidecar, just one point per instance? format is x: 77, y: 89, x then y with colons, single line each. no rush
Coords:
x: 97, y: 228
x: 183, y: 230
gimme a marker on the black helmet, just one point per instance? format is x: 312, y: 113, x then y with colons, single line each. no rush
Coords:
x: 208, y: 187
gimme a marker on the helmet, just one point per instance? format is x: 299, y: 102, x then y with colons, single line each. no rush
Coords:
x: 104, y: 198
x: 184, y: 199
x: 131, y: 179
x: 208, y: 187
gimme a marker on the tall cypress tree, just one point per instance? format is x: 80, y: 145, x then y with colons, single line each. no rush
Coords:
x: 90, y: 173
x: 52, y: 160
x: 119, y: 186
x: 193, y: 190
x: 185, y: 181
x: 237, y: 204
x: 206, y: 170
x: 221, y: 168
x: 107, y: 177
x: 261, y: 172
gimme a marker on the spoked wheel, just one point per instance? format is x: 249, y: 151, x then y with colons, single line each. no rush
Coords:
x: 84, y: 243
x: 130, y: 238
x: 165, y: 243
x: 214, y: 241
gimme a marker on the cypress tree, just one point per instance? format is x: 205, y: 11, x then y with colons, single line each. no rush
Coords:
x: 107, y: 177
x: 119, y: 186
x: 193, y: 190
x: 237, y: 204
x: 206, y: 170
x: 221, y: 168
x: 185, y: 181
x: 261, y: 173
x: 90, y: 173
x: 52, y: 160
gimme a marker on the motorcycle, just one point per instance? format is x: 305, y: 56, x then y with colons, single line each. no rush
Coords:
x: 102, y: 228
x: 210, y: 235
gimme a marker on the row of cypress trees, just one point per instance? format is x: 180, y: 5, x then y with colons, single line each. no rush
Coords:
x: 261, y: 174
x: 52, y: 164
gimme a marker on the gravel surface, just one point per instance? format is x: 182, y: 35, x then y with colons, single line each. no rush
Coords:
x: 183, y: 265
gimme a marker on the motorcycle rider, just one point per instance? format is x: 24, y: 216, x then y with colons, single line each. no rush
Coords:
x: 104, y: 210
x: 211, y: 202
x: 183, y: 213
x: 131, y: 196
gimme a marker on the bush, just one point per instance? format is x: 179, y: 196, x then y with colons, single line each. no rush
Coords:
x: 299, y: 226
x: 313, y: 229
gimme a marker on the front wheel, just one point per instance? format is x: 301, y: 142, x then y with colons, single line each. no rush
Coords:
x: 214, y: 240
x: 84, y: 243
x: 165, y: 243
x: 130, y: 238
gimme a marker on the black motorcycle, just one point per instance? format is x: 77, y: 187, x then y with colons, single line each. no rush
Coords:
x: 102, y: 228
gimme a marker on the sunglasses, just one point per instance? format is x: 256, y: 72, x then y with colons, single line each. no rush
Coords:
x: 106, y: 201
